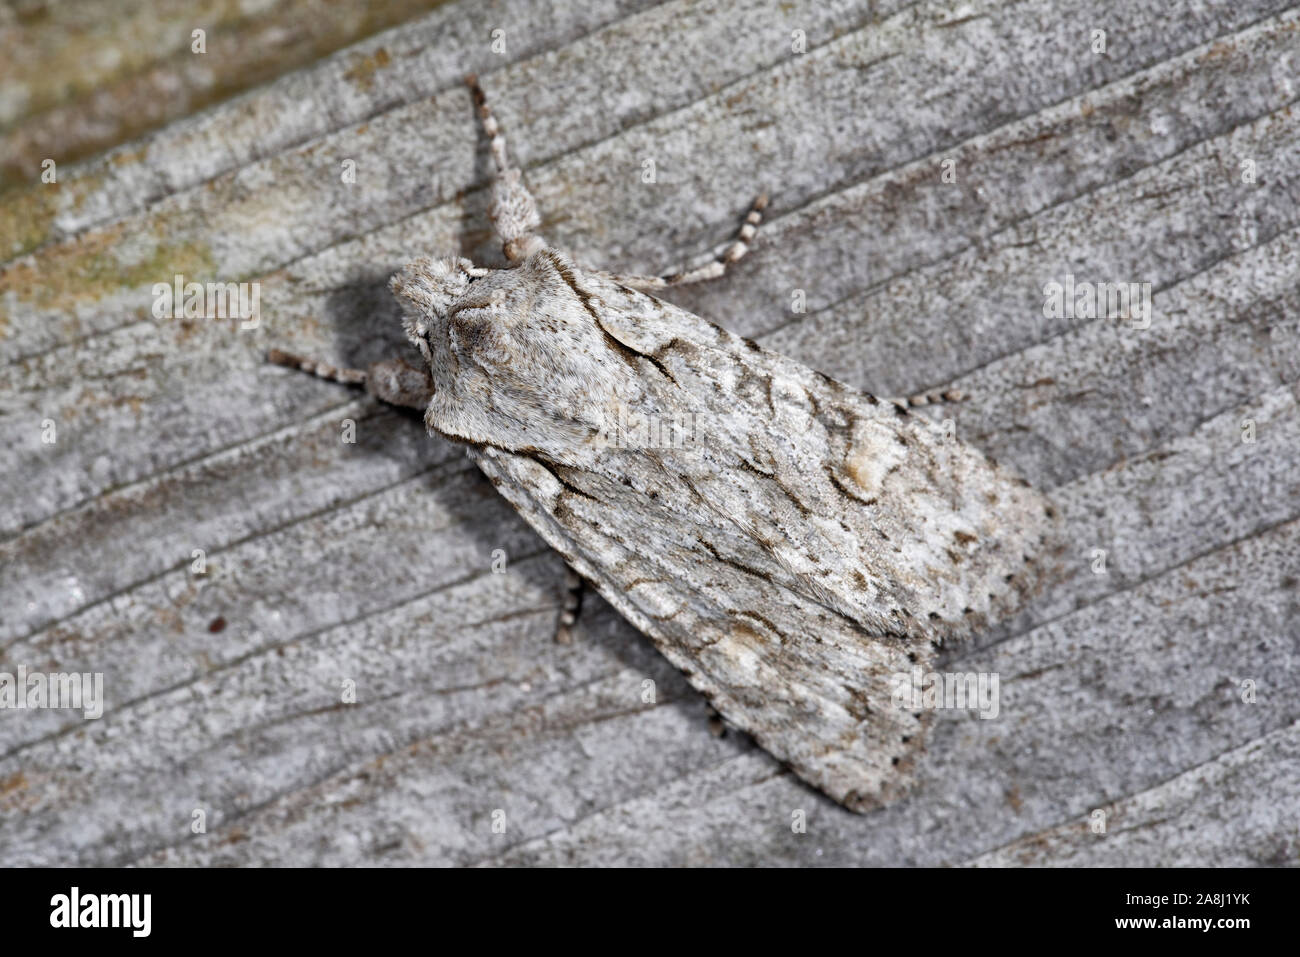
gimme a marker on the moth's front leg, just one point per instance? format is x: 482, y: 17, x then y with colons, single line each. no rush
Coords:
x: 394, y: 381
x: 711, y: 270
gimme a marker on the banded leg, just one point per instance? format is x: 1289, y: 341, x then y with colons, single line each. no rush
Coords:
x: 711, y: 270
x: 935, y: 397
x: 394, y: 381
x: 514, y: 212
x: 573, y: 589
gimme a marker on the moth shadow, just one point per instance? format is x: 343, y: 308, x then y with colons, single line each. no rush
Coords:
x: 366, y: 322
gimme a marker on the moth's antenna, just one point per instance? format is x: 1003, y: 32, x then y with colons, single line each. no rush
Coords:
x: 490, y: 125
x: 514, y: 212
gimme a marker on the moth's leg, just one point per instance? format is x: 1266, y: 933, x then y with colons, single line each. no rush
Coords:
x: 514, y: 213
x: 935, y: 397
x: 712, y: 270
x: 394, y: 381
x: 573, y: 589
x: 717, y: 726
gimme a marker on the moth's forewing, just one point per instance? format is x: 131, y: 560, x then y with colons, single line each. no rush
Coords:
x: 795, y: 546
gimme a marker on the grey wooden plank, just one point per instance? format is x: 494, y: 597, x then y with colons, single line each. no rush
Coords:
x: 373, y: 562
x: 81, y: 77
x: 411, y: 61
x: 1230, y: 812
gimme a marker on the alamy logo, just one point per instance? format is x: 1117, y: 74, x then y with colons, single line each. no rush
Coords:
x: 80, y: 691
x: 103, y: 910
x: 637, y: 430
x: 215, y: 300
x: 1130, y: 301
x: 917, y: 690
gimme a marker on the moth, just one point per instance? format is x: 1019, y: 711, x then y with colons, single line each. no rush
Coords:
x: 791, y: 543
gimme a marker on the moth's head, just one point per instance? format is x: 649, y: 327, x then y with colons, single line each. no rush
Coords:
x: 516, y: 356
x: 458, y: 314
x: 426, y: 289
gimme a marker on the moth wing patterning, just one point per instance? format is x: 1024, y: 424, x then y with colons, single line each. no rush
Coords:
x: 793, y: 545
x: 800, y: 546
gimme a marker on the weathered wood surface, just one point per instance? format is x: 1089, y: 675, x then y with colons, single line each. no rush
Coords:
x: 82, y: 75
x: 1121, y: 691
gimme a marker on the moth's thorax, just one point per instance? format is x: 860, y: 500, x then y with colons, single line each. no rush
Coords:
x: 517, y: 356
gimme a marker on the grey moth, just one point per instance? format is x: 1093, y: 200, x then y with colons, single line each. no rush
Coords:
x: 794, y: 545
